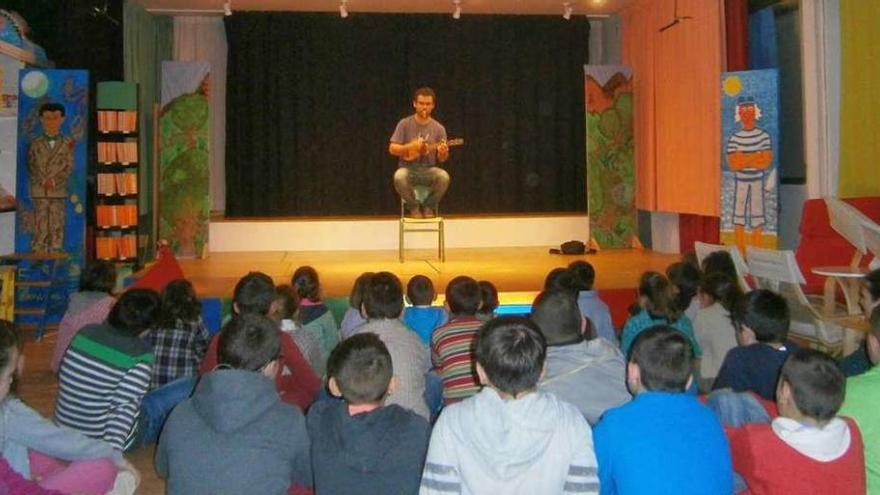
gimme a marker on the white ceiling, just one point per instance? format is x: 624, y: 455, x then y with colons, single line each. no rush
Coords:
x: 533, y: 7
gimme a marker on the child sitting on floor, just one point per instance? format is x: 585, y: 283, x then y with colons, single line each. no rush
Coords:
x: 713, y: 325
x: 36, y: 449
x: 286, y: 313
x: 474, y: 449
x: 421, y: 317
x: 807, y: 449
x: 592, y: 307
x: 353, y: 317
x: 489, y: 299
x: 314, y: 315
x: 360, y: 445
x: 90, y: 305
x: 761, y: 319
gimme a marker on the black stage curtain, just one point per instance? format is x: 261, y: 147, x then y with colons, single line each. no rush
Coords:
x: 313, y: 99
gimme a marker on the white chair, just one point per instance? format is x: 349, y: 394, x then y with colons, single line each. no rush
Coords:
x: 703, y: 249
x: 872, y: 243
x: 778, y: 271
x: 849, y: 222
x: 410, y: 225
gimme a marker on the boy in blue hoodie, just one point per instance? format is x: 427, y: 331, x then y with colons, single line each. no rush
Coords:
x: 360, y: 445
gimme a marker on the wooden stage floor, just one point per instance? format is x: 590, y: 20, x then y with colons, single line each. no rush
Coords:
x: 510, y: 269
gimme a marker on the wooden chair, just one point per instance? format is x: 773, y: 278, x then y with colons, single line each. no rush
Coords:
x: 409, y: 225
x: 703, y: 249
x: 778, y: 271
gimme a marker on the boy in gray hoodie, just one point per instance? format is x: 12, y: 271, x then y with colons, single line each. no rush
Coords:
x: 510, y: 438
x: 235, y: 435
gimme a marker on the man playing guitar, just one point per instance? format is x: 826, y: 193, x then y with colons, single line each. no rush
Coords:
x: 419, y: 142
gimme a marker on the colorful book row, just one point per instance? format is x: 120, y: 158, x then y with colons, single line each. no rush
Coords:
x: 117, y: 184
x: 116, y: 215
x: 112, y: 247
x: 126, y: 152
x: 117, y: 121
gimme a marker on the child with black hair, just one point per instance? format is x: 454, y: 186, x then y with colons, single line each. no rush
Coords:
x: 421, y: 317
x: 295, y: 380
x: 859, y: 361
x: 314, y: 315
x: 761, y: 319
x: 234, y: 435
x: 383, y: 305
x: 713, y: 326
x: 685, y: 278
x: 592, y: 307
x: 286, y: 312
x: 657, y: 306
x: 451, y: 344
x: 807, y: 449
x: 472, y: 450
x: 664, y: 440
x: 33, y: 448
x: 490, y: 302
x: 90, y: 305
x: 107, y: 370
x: 720, y: 262
x: 353, y: 317
x: 559, y: 279
x: 360, y: 444
x: 180, y: 337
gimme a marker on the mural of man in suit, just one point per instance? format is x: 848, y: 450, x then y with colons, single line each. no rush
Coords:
x: 50, y: 163
x: 750, y: 156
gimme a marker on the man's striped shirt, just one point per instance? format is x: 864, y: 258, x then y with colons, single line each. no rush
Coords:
x: 453, y: 356
x: 103, y: 378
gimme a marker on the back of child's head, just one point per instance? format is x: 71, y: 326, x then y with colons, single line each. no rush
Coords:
x: 463, y: 296
x: 361, y: 367
x: 488, y: 297
x: 11, y: 345
x: 558, y: 316
x: 420, y: 291
x: 765, y: 313
x: 722, y: 289
x: 583, y: 274
x: 249, y: 342
x: 658, y: 296
x: 305, y: 280
x: 135, y: 311
x: 874, y: 320
x: 872, y: 284
x: 817, y: 384
x: 179, y: 302
x: 511, y: 350
x: 254, y: 293
x: 686, y: 279
x: 356, y: 297
x: 98, y: 276
x: 287, y: 302
x: 719, y: 262
x: 664, y: 357
x: 383, y: 297
x: 559, y: 279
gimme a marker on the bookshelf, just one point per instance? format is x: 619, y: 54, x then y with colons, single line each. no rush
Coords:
x: 117, y: 170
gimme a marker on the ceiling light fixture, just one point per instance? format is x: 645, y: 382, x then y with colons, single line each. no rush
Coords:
x: 227, y: 8
x: 343, y: 9
x: 456, y: 14
x: 566, y: 10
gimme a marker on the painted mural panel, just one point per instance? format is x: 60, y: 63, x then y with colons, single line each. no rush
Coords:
x: 610, y: 155
x: 750, y: 158
x: 184, y: 197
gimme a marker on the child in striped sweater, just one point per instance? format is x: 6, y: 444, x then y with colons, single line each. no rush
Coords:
x: 106, y: 372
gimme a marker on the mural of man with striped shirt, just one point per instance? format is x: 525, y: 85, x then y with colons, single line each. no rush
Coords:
x: 750, y: 156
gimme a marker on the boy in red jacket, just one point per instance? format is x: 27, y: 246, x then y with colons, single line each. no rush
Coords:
x: 807, y: 449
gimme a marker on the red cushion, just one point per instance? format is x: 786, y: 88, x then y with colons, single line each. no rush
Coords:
x: 164, y: 270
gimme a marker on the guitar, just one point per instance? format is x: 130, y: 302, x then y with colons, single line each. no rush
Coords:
x: 426, y: 148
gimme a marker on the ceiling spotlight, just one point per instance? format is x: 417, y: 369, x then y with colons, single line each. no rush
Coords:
x: 343, y: 9
x: 566, y: 10
x: 456, y: 14
x: 227, y: 8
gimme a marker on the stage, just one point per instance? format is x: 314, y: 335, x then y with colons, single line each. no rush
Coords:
x: 511, y: 269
